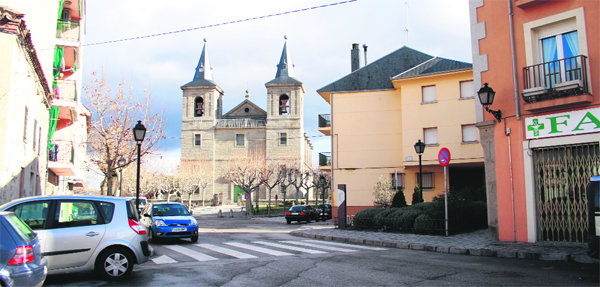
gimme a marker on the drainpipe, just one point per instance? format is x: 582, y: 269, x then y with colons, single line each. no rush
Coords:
x: 514, y: 61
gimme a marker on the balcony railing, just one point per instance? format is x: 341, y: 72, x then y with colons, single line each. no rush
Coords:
x: 66, y: 90
x: 324, y: 159
x: 324, y: 120
x: 557, y: 79
x: 68, y: 30
x: 62, y: 152
x: 240, y: 123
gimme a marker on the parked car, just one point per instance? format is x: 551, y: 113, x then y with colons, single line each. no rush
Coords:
x: 21, y: 260
x: 81, y: 233
x: 169, y: 220
x: 593, y: 192
x: 301, y: 213
x: 324, y: 211
x: 142, y: 204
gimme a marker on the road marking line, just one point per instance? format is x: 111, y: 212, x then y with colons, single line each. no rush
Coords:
x: 190, y: 253
x: 226, y: 251
x: 163, y: 259
x: 319, y: 246
x: 258, y: 249
x: 345, y: 245
x: 305, y: 250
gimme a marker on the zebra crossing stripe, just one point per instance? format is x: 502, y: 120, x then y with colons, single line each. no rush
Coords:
x: 163, y: 259
x: 227, y: 251
x: 258, y: 249
x: 320, y: 246
x: 345, y: 245
x: 190, y: 253
x: 301, y: 249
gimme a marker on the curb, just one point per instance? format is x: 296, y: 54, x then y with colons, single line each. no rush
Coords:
x: 499, y: 252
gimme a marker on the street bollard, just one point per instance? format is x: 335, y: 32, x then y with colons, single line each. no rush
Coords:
x: 220, y: 214
x: 231, y: 213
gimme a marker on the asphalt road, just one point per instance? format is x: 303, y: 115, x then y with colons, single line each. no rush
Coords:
x: 227, y: 255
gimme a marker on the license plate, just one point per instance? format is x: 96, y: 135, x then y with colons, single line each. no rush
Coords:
x: 177, y: 229
x: 294, y: 213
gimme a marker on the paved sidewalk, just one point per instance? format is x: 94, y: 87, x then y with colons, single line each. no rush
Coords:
x: 475, y: 243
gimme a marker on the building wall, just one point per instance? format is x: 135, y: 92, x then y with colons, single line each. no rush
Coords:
x: 513, y: 162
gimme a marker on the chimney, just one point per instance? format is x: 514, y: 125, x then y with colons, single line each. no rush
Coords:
x: 365, y: 48
x: 355, y: 57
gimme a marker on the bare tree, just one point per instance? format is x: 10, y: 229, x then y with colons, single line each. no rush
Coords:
x: 307, y: 182
x: 194, y: 176
x: 245, y: 173
x: 271, y: 176
x: 114, y: 114
x: 321, y: 181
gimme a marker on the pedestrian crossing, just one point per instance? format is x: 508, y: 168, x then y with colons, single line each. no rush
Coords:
x: 201, y: 252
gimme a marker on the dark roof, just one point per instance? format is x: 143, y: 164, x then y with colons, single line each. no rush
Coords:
x: 203, y: 74
x: 285, y: 70
x: 434, y: 66
x: 377, y: 75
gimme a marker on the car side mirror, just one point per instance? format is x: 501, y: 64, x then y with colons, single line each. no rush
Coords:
x: 146, y: 215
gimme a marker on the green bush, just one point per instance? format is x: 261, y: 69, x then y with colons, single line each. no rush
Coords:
x: 407, y: 219
x: 424, y: 224
x: 366, y: 218
x: 379, y: 219
x: 417, y: 195
x: 399, y: 200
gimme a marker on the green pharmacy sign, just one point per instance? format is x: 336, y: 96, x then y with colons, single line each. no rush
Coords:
x: 563, y: 124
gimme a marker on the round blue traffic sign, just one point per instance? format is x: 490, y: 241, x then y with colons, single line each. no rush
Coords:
x: 444, y: 156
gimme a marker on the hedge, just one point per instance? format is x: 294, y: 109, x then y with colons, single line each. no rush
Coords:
x: 366, y: 218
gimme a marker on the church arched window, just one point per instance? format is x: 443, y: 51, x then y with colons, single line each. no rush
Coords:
x: 284, y: 105
x: 198, y: 107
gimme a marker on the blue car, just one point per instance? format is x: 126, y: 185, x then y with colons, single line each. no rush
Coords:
x: 169, y: 220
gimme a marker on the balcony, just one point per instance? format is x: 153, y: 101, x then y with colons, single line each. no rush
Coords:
x: 240, y: 123
x: 556, y: 84
x: 66, y: 99
x: 61, y: 158
x: 325, y: 160
x: 67, y: 30
x: 325, y: 124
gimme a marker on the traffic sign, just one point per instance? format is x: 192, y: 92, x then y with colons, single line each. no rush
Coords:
x: 247, y: 195
x: 444, y: 156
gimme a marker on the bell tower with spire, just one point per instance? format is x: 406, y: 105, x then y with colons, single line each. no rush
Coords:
x: 285, y: 113
x: 202, y: 106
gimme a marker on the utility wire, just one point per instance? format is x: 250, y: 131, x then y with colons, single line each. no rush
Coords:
x: 220, y: 24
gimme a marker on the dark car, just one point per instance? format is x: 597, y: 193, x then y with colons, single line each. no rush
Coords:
x: 170, y: 220
x: 301, y: 213
x: 21, y: 260
x: 593, y: 192
x: 324, y: 211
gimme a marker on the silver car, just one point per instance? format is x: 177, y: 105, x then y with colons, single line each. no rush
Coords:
x: 85, y: 233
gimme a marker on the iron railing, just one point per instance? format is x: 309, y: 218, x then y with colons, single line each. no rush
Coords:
x: 66, y: 90
x: 68, y: 30
x: 324, y: 120
x: 62, y: 152
x: 325, y: 159
x: 555, y: 79
x: 240, y: 123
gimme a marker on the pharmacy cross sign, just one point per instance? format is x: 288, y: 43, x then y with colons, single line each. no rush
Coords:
x: 535, y: 127
x: 563, y: 124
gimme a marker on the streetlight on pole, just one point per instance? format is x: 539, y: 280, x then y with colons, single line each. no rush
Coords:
x: 121, y: 162
x: 139, y: 132
x: 420, y: 148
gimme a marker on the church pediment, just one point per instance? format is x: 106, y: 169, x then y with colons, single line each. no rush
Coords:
x: 246, y: 109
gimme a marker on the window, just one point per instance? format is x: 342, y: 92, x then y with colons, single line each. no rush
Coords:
x: 76, y: 213
x: 25, y: 125
x: 197, y: 139
x: 283, y: 139
x: 34, y: 134
x: 239, y: 139
x: 397, y: 181
x: 198, y: 107
x: 466, y: 90
x: 469, y: 134
x: 427, y: 180
x: 428, y: 94
x: 431, y: 136
x: 108, y: 210
x: 284, y: 105
x: 557, y: 47
x: 33, y: 213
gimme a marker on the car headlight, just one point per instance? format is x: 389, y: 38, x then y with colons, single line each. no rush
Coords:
x: 159, y: 222
x: 194, y: 222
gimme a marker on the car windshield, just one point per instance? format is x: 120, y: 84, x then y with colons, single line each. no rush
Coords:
x: 169, y: 210
x: 22, y: 229
x: 298, y: 208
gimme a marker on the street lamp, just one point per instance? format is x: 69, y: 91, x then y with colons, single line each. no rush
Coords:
x: 121, y: 162
x: 486, y: 97
x: 139, y: 132
x: 420, y: 148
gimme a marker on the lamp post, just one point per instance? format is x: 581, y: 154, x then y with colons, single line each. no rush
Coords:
x: 139, y: 132
x: 420, y: 148
x: 121, y: 162
x: 486, y: 97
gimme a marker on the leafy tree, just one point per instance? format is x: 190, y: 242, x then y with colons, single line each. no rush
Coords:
x: 114, y: 114
x: 383, y: 192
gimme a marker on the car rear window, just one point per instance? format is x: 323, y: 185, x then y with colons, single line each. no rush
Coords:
x: 108, y: 210
x: 33, y: 213
x: 22, y: 229
x: 298, y: 208
x: 132, y: 212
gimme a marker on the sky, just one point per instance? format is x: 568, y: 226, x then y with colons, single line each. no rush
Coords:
x: 244, y: 54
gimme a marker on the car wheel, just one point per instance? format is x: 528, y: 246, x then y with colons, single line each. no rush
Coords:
x: 288, y: 221
x: 151, y: 236
x: 194, y: 239
x: 114, y: 263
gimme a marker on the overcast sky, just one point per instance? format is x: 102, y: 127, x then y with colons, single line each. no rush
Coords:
x: 244, y: 55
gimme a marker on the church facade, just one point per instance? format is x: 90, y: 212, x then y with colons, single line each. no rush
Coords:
x: 217, y: 139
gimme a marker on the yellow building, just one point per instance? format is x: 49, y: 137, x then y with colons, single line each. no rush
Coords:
x: 379, y: 112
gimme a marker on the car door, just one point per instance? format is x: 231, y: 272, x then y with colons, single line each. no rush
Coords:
x: 76, y: 230
x: 35, y: 214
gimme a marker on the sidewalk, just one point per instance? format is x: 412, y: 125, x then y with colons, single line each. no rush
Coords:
x: 475, y: 243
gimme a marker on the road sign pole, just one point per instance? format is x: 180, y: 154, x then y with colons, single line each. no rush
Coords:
x: 446, y: 198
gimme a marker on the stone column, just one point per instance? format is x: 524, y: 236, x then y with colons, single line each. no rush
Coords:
x: 486, y: 135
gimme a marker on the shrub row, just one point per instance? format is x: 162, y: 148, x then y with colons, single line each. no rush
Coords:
x: 425, y: 217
